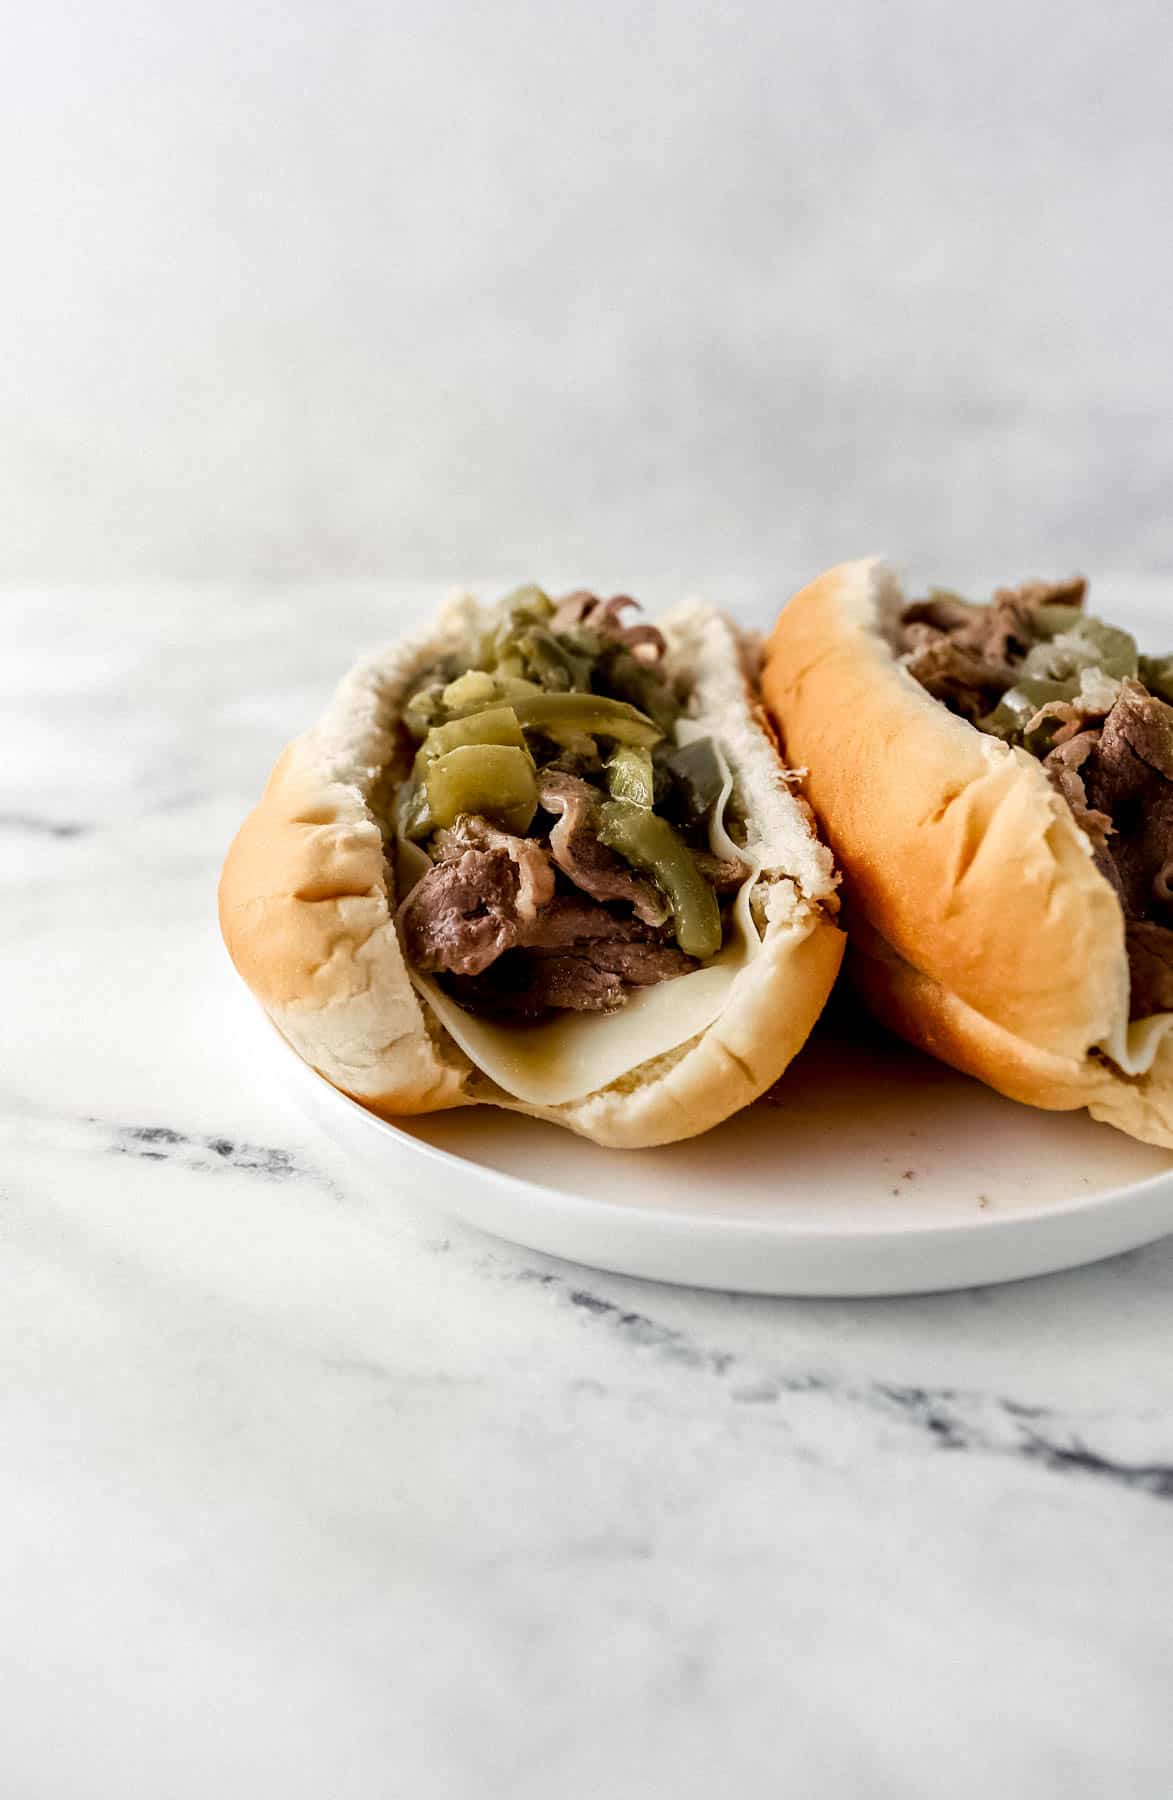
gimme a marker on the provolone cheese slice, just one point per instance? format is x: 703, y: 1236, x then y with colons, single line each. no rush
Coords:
x: 573, y: 1054
x: 1133, y: 1047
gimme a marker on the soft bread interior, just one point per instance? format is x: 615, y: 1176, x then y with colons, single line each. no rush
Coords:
x: 308, y: 901
x: 981, y: 929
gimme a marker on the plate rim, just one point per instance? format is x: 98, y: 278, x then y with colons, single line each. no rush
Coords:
x: 669, y: 1219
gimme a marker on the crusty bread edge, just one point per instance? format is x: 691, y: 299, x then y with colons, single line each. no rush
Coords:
x: 927, y: 1015
x: 926, y: 816
x: 1016, y: 980
x: 307, y: 913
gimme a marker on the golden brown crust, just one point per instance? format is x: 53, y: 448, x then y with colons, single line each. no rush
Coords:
x: 935, y: 1020
x: 979, y: 927
x: 955, y: 848
x: 306, y: 914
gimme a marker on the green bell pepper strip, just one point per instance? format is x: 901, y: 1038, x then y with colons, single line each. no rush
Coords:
x: 1053, y: 617
x: 1157, y: 674
x: 590, y: 713
x: 528, y: 602
x: 423, y: 709
x: 696, y: 777
x: 1019, y: 704
x: 495, y: 780
x: 1089, y: 644
x: 1113, y: 650
x: 554, y: 662
x: 470, y: 691
x: 412, y: 817
x: 493, y: 725
x: 649, y: 843
x: 630, y: 775
x: 622, y: 674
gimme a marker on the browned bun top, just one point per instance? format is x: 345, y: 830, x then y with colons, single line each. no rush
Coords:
x: 981, y: 928
x: 954, y: 847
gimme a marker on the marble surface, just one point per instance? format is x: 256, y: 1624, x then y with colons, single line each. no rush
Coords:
x: 304, y: 1491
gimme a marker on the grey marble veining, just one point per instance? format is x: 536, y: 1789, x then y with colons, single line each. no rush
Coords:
x: 306, y: 1491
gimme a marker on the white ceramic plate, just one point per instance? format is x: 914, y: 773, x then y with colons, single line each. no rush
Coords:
x: 878, y: 1171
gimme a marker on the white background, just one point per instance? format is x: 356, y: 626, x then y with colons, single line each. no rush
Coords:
x: 715, y: 293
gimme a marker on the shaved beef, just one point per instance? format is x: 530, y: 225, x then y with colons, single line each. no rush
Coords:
x: 945, y: 612
x: 644, y: 641
x: 1098, y: 695
x: 466, y: 919
x: 1142, y: 724
x: 469, y: 908
x: 967, y: 656
x: 535, y: 877
x: 463, y: 915
x: 595, y: 975
x: 1064, y: 765
x: 575, y: 847
x: 1001, y: 634
x: 1070, y: 592
x: 959, y: 677
x: 1118, y: 782
x: 1111, y: 756
x: 1131, y: 780
x: 723, y: 873
x: 518, y: 925
x: 598, y: 977
x: 581, y: 759
x: 1150, y: 958
x: 572, y: 919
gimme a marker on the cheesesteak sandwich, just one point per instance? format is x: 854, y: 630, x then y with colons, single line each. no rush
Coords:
x: 546, y: 858
x: 996, y: 782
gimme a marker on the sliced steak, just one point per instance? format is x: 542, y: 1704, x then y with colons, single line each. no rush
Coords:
x: 605, y: 617
x: 959, y: 677
x: 1066, y: 765
x: 1002, y: 633
x: 463, y: 915
x: 1143, y: 725
x: 535, y: 877
x: 595, y: 976
x: 1070, y: 592
x: 1097, y: 696
x: 598, y: 977
x: 1150, y: 958
x: 1131, y: 779
x: 945, y: 612
x: 466, y: 919
x: 575, y: 847
x: 967, y: 656
x: 574, y: 919
x: 1118, y: 782
x: 724, y: 874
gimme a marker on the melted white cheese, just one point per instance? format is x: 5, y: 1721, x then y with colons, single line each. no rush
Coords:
x: 1133, y: 1047
x: 570, y: 1055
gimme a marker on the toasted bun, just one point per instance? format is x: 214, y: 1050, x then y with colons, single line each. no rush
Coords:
x: 981, y: 929
x: 307, y: 907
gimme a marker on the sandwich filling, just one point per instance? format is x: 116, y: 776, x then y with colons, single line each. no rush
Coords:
x: 564, y: 830
x: 1033, y: 668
